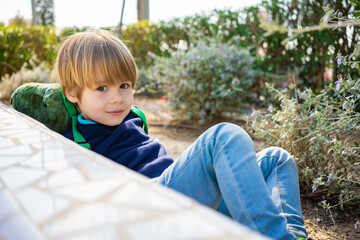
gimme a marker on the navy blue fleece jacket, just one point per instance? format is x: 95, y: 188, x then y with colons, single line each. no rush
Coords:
x: 126, y: 144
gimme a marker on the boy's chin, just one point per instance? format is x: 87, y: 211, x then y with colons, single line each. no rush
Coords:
x: 112, y: 124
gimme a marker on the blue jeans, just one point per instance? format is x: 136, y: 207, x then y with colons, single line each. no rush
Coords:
x: 222, y: 170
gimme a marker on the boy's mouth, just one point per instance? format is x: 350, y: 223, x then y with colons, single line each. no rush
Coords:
x: 116, y: 112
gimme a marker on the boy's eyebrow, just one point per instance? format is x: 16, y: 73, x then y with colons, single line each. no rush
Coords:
x: 99, y: 83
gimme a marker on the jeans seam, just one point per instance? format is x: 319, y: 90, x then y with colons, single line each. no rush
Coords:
x: 232, y: 177
x: 270, y: 156
x: 280, y: 190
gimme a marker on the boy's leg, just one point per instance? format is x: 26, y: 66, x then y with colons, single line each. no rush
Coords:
x: 281, y: 177
x: 222, y: 163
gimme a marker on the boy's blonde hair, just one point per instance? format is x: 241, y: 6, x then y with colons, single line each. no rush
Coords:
x: 83, y: 57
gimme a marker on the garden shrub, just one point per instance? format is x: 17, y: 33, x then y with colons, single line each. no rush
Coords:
x: 143, y: 37
x: 146, y: 85
x: 223, y: 24
x: 20, y: 44
x: 306, y: 56
x: 66, y: 32
x: 322, y: 132
x: 29, y: 72
x: 206, y: 81
x: 163, y: 37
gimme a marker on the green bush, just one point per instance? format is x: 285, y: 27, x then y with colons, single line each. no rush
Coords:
x: 322, y: 132
x: 141, y: 38
x: 206, y: 81
x: 29, y: 72
x: 304, y: 56
x: 224, y: 24
x: 20, y: 44
x: 65, y: 32
x: 146, y: 85
x: 163, y: 37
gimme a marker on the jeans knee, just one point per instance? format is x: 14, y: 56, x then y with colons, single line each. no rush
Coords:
x: 229, y: 129
x: 229, y: 132
x: 280, y: 154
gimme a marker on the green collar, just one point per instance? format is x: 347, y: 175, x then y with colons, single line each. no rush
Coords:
x: 70, y: 107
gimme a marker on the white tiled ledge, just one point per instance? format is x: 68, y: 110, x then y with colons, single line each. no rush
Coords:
x: 51, y: 188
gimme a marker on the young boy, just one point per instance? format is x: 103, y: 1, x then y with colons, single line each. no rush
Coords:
x: 220, y: 169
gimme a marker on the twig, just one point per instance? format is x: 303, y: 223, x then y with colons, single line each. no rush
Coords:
x: 322, y: 26
x: 9, y: 66
x: 345, y: 201
x: 332, y: 218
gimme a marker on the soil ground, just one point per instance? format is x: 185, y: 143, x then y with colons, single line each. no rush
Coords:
x: 177, y: 136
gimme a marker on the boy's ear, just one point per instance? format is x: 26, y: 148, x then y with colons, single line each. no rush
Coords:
x: 70, y: 94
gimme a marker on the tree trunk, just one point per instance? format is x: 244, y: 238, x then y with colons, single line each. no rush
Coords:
x: 34, y: 14
x: 143, y: 9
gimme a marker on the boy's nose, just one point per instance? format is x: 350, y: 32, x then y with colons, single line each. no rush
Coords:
x: 116, y: 97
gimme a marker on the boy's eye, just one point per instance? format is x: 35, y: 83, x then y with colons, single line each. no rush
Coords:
x: 124, y: 85
x: 102, y: 88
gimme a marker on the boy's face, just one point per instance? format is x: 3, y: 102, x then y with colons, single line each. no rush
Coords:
x: 105, y: 104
